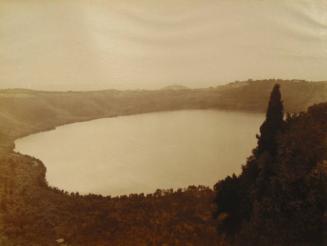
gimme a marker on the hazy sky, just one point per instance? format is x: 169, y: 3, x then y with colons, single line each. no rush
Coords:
x: 96, y: 44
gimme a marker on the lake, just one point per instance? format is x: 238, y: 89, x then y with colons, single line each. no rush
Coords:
x: 145, y: 152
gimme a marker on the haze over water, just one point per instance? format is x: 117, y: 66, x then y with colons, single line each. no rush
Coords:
x: 141, y: 153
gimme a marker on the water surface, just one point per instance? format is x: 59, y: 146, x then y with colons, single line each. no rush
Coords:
x: 140, y: 153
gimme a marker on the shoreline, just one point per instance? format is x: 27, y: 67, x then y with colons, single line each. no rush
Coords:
x: 37, y: 213
x: 38, y: 111
x: 14, y: 150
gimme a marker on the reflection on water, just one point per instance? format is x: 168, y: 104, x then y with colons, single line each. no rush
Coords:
x: 140, y: 153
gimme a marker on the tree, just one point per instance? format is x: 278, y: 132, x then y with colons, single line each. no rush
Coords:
x: 234, y: 195
x: 228, y: 205
x: 280, y: 198
x: 266, y: 151
x: 273, y: 125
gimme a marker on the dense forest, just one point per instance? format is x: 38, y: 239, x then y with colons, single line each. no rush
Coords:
x: 34, y: 214
x: 278, y: 199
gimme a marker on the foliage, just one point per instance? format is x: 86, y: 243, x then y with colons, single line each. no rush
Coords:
x: 283, y: 187
x: 228, y: 201
x: 34, y: 214
x: 273, y: 125
x: 286, y: 207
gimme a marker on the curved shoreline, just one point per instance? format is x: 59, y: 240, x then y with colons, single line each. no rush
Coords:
x: 48, y: 213
x: 50, y: 128
x: 116, y: 189
x: 39, y: 111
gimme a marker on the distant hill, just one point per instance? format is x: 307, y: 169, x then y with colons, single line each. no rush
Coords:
x: 24, y: 112
x: 175, y: 87
x: 252, y: 95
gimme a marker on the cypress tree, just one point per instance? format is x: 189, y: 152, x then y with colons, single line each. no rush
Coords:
x: 235, y: 195
x: 273, y: 124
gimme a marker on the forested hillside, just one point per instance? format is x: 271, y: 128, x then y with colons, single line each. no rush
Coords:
x: 280, y: 198
x: 34, y: 214
x: 23, y: 111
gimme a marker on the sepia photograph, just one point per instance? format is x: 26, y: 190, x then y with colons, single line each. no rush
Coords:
x: 163, y: 123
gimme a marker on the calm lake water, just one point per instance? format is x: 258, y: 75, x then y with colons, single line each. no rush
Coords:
x: 140, y: 153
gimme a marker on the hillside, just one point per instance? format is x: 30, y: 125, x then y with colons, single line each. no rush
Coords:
x: 175, y: 87
x: 280, y: 198
x: 32, y: 213
x: 23, y: 112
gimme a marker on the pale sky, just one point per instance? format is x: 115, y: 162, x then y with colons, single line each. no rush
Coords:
x: 102, y: 44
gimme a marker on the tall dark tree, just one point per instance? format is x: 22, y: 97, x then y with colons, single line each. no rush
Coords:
x: 280, y: 198
x: 234, y: 194
x: 273, y: 125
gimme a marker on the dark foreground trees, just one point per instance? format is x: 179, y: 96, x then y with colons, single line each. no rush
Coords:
x: 280, y: 197
x: 38, y: 215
